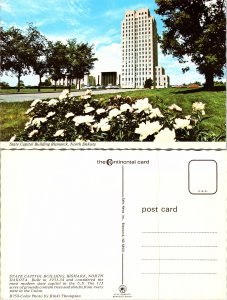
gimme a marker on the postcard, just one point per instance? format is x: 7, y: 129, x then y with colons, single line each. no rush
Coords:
x: 113, y: 224
x: 113, y: 150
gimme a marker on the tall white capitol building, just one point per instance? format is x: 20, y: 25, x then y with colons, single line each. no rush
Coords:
x: 140, y: 51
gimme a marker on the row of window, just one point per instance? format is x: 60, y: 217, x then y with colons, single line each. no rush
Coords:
x: 136, y: 33
x: 138, y: 42
x: 141, y: 14
x: 135, y: 49
x: 135, y: 24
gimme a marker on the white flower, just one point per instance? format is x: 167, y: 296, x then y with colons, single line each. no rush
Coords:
x: 85, y: 97
x: 12, y: 138
x: 118, y: 97
x: 142, y: 105
x: 53, y: 102
x: 83, y: 119
x: 175, y: 107
x: 88, y: 109
x: 29, y: 110
x: 114, y: 112
x: 100, y: 111
x: 103, y: 124
x: 88, y: 92
x: 50, y: 114
x: 70, y: 114
x: 38, y: 121
x: 199, y: 106
x: 155, y: 112
x: 147, y: 128
x: 33, y: 132
x: 28, y: 124
x: 188, y: 117
x: 59, y: 132
x: 165, y: 135
x: 35, y: 102
x: 182, y: 123
x: 64, y: 94
x: 125, y: 107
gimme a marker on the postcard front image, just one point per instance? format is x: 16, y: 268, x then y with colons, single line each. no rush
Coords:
x: 113, y: 150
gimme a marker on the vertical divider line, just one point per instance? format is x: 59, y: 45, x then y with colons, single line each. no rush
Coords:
x: 122, y: 246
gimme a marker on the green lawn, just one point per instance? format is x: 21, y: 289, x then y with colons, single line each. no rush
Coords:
x: 32, y: 90
x: 13, y: 117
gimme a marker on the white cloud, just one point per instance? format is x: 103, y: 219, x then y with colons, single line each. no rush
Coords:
x: 6, y: 7
x: 109, y: 59
x: 119, y: 12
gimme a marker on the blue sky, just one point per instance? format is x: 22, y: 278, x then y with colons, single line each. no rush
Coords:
x: 94, y: 21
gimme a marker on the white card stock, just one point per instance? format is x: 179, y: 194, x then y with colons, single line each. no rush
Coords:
x: 114, y: 225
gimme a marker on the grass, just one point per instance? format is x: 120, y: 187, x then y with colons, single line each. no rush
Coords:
x: 13, y: 118
x: 32, y: 90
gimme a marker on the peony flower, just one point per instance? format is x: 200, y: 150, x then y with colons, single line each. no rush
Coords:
x: 28, y: 124
x: 33, y: 132
x: 148, y: 128
x: 83, y: 119
x: 50, y: 114
x: 100, y: 111
x: 188, y: 117
x: 125, y: 107
x: 155, y: 112
x: 59, y: 132
x: 85, y: 97
x: 88, y: 92
x: 182, y: 123
x: 88, y: 109
x: 70, y: 114
x: 35, y: 102
x: 165, y: 135
x: 199, y: 106
x: 52, y: 102
x: 29, y: 110
x: 12, y: 138
x: 64, y: 94
x: 142, y: 105
x: 38, y: 121
x: 175, y: 107
x: 114, y: 112
x: 103, y: 124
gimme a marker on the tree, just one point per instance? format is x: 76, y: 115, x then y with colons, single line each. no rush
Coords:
x: 148, y: 83
x: 15, y: 53
x: 195, y: 29
x: 47, y: 82
x: 38, y: 52
x: 4, y: 85
x: 56, y: 61
x: 80, y: 60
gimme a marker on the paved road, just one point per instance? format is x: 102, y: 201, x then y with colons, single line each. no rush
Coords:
x: 29, y: 97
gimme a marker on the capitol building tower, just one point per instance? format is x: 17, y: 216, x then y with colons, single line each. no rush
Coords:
x: 140, y: 50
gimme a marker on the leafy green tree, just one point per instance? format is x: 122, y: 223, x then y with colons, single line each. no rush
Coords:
x: 148, y: 83
x: 38, y: 52
x: 15, y: 53
x: 196, y: 29
x: 47, y: 82
x: 57, y: 61
x: 4, y: 85
x: 80, y: 60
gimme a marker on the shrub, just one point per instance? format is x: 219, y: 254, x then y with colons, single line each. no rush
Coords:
x: 120, y: 118
x: 4, y: 85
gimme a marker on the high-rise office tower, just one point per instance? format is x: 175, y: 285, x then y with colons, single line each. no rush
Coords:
x: 139, y: 48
